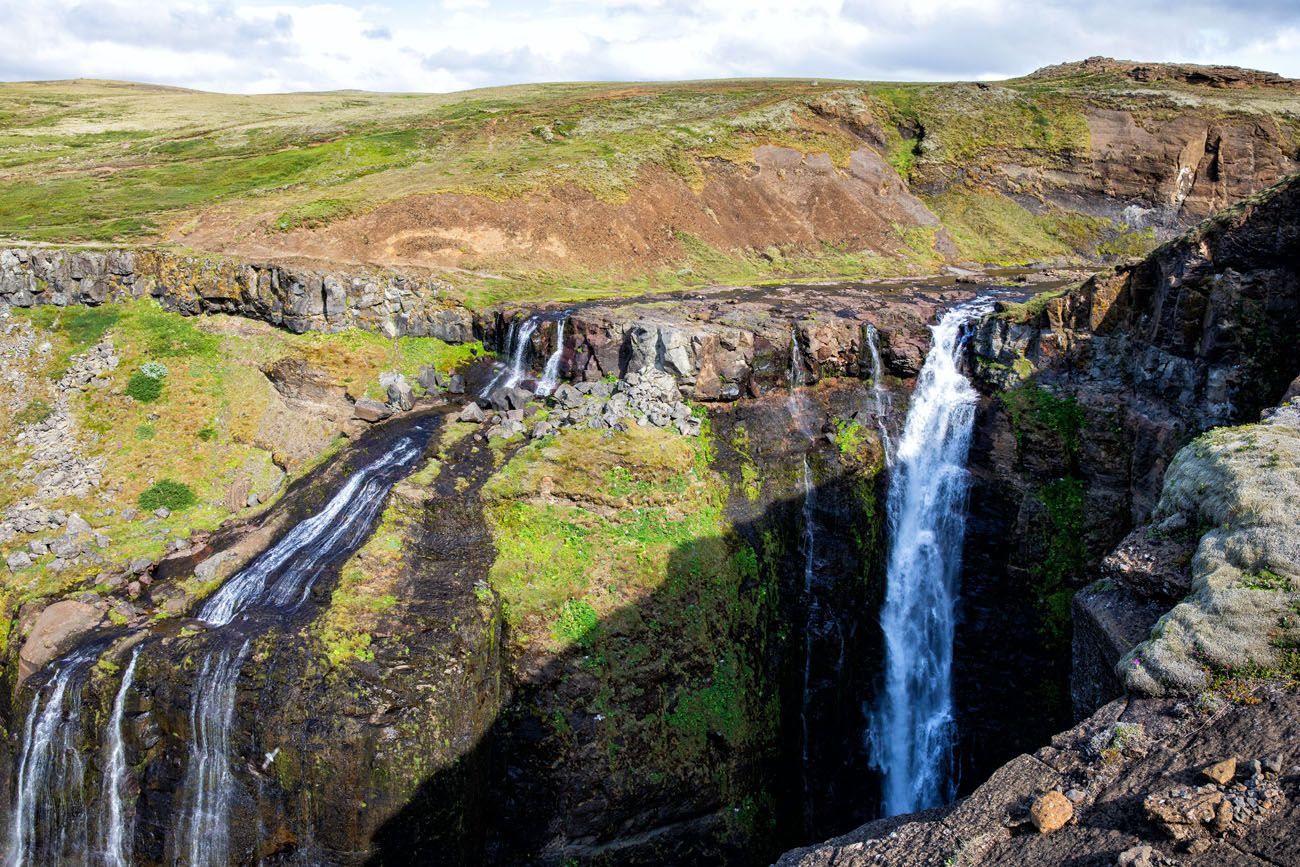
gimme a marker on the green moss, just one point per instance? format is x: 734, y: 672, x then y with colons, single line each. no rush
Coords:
x: 1130, y: 243
x: 1065, y: 555
x: 849, y: 437
x: 1267, y: 580
x: 576, y: 623
x: 144, y: 388
x: 1033, y: 408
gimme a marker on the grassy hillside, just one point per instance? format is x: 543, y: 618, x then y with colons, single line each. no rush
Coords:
x: 94, y: 161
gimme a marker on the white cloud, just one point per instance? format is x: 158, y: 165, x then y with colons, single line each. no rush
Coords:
x: 261, y: 45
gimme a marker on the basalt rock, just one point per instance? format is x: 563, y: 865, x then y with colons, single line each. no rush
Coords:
x: 299, y: 299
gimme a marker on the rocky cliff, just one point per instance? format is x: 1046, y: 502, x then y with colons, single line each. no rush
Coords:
x: 1097, y: 397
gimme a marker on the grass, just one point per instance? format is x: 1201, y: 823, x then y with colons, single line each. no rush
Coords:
x: 212, y: 423
x: 627, y: 558
x: 167, y: 494
x: 91, y: 161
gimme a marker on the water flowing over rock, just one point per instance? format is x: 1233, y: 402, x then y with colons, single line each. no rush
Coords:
x: 115, y: 826
x: 49, y: 819
x: 551, y: 373
x: 911, y: 730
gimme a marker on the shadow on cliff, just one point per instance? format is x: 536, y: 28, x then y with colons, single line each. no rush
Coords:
x: 705, y: 764
x: 686, y: 728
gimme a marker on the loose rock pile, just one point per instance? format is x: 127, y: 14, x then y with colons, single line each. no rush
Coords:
x: 55, y: 465
x: 1228, y: 802
x: 647, y: 397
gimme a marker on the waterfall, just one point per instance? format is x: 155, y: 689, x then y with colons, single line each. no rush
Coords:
x: 209, y: 783
x: 509, y: 351
x: 911, y: 729
x: 517, y: 342
x: 517, y: 367
x: 116, y: 836
x: 51, y: 772
x: 882, y: 399
x: 302, y: 554
x: 551, y: 374
x: 280, y: 579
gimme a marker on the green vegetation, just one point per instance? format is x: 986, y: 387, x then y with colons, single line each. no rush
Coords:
x: 849, y: 437
x: 36, y: 411
x: 1065, y: 556
x: 1033, y: 408
x: 617, y: 547
x: 144, y: 388
x: 312, y: 215
x: 167, y: 494
x: 1267, y: 580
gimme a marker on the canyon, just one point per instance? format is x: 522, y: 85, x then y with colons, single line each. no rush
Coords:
x: 548, y: 574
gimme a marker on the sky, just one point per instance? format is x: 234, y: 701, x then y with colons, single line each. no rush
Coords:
x: 252, y: 46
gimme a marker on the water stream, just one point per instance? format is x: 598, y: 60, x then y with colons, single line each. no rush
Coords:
x: 49, y: 821
x: 278, y: 580
x: 551, y: 373
x: 518, y: 337
x: 911, y: 729
x: 883, y: 401
x: 115, y: 832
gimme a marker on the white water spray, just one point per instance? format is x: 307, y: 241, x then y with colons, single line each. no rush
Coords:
x: 883, y: 401
x: 50, y: 801
x: 209, y: 784
x: 911, y: 730
x: 551, y: 373
x: 114, y: 826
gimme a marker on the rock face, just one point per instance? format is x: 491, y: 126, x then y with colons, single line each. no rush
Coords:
x: 726, y: 343
x: 1091, y: 394
x: 298, y: 299
x: 1133, y: 769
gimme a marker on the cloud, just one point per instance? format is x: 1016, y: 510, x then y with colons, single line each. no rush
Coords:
x: 278, y: 45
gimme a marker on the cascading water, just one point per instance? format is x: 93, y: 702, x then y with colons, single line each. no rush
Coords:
x: 551, y: 373
x: 279, y: 579
x: 517, y: 343
x: 49, y: 821
x: 115, y: 832
x: 911, y: 729
x: 881, y: 398
x: 302, y: 554
x: 509, y: 350
x: 209, y: 783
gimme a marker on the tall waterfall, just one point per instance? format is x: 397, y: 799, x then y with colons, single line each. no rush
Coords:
x: 115, y: 832
x: 911, y: 729
x: 551, y: 373
x: 49, y: 820
x: 517, y: 342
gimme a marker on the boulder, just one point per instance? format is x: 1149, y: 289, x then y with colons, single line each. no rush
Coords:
x: 456, y: 384
x: 18, y: 560
x: 503, y: 398
x: 77, y: 524
x: 400, y: 395
x: 1221, y: 772
x: 1051, y: 812
x: 370, y: 410
x: 471, y: 412
x: 53, y: 632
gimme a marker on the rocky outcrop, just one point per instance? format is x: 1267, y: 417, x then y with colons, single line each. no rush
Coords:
x: 1244, y: 483
x: 1132, y: 774
x: 297, y: 298
x: 725, y: 343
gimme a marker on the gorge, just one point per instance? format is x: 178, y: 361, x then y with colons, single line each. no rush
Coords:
x: 678, y: 570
